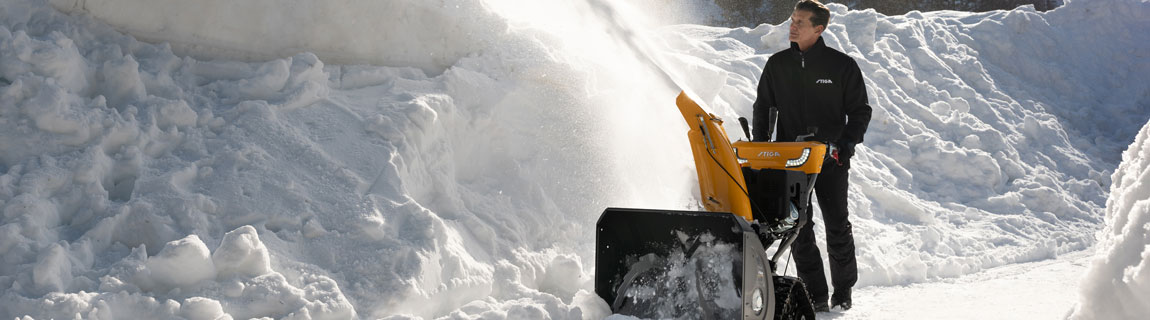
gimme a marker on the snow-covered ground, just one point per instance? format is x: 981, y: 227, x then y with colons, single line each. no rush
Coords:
x: 426, y: 159
x: 1031, y: 290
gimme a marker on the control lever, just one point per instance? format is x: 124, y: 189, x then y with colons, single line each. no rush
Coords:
x: 772, y: 123
x: 746, y: 128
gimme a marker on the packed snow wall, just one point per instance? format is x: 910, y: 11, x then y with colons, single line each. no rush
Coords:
x: 1118, y: 282
x: 140, y: 182
x: 430, y: 35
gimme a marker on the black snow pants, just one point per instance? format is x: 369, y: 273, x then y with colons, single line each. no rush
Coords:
x: 831, y: 191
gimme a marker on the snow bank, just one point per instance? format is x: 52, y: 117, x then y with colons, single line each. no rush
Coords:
x: 183, y: 268
x: 1117, y: 285
x: 135, y: 183
x: 463, y: 180
x: 431, y: 35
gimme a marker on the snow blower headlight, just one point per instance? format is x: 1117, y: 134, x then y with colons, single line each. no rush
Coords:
x: 798, y: 162
x: 757, y: 301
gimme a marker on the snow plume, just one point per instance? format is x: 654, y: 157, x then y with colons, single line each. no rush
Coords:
x: 463, y: 178
x: 1117, y: 285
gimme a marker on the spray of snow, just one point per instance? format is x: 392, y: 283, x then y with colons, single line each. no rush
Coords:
x: 698, y: 280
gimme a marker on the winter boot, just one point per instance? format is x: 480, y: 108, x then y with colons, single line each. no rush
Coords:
x: 821, y: 306
x: 841, y: 299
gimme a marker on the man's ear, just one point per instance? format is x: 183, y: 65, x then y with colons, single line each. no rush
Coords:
x: 819, y: 29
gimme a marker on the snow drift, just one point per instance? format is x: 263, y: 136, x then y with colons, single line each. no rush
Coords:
x: 461, y: 178
x: 1117, y: 285
x: 431, y: 35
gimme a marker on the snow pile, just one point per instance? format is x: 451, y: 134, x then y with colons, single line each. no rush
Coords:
x: 237, y: 275
x: 357, y: 31
x: 464, y: 179
x: 1117, y: 285
x: 381, y: 188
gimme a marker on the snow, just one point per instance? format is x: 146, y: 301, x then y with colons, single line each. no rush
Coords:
x: 1032, y: 290
x: 354, y: 31
x: 673, y: 284
x: 448, y: 159
x: 1118, y: 282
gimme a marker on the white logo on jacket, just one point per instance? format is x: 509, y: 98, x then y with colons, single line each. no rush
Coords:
x: 824, y: 81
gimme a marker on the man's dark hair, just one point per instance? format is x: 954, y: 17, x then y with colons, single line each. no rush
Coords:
x: 820, y: 14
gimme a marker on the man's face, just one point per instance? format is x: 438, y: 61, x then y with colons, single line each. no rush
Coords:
x: 802, y: 31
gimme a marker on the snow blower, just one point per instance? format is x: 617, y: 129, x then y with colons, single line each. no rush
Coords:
x: 714, y: 264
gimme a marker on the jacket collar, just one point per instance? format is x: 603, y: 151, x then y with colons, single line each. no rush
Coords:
x: 815, y: 49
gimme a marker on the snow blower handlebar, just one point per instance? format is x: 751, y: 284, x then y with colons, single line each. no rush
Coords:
x: 772, y: 119
x: 746, y: 128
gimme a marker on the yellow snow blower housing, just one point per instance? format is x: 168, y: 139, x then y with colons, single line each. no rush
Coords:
x: 798, y: 156
x: 672, y: 263
x: 719, y: 162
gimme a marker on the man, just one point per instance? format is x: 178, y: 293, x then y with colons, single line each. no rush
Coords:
x: 814, y: 86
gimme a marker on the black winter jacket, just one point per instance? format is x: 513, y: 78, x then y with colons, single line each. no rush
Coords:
x: 819, y: 88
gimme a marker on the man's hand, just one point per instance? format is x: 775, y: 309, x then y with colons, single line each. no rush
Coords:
x: 844, y: 152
